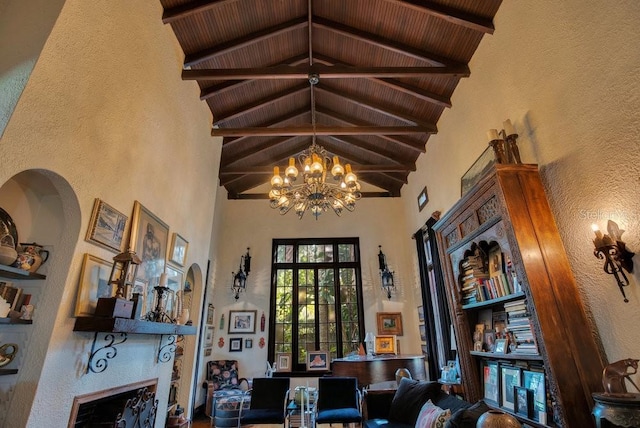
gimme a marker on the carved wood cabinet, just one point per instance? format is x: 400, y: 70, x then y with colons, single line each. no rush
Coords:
x: 508, y: 209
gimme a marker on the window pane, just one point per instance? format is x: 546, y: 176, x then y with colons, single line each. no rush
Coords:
x: 284, y: 254
x: 346, y: 253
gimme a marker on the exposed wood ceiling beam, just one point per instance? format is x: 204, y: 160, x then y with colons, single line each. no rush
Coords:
x: 454, y: 16
x: 280, y: 72
x: 390, y: 45
x: 249, y: 39
x: 262, y: 196
x: 268, y: 170
x: 277, y: 121
x: 255, y: 150
x: 188, y: 9
x: 323, y: 130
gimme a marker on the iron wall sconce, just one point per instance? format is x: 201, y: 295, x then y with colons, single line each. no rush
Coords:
x: 240, y: 277
x: 385, y: 274
x: 505, y: 143
x: 612, y: 249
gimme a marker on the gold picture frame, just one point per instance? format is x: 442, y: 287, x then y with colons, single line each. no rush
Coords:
x: 385, y: 344
x: 389, y: 323
x: 107, y: 226
x: 179, y: 248
x: 149, y: 238
x: 94, y: 283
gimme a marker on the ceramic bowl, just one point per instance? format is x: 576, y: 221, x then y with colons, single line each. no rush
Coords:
x: 8, y: 255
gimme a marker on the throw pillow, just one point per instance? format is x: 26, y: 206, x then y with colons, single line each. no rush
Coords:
x: 409, y: 398
x: 467, y: 418
x: 432, y: 416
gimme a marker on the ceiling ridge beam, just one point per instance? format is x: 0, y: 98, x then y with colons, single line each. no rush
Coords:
x: 193, y: 8
x: 454, y: 16
x: 322, y: 130
x: 384, y: 43
x: 280, y: 72
x: 224, y: 117
x: 241, y: 42
x: 261, y: 196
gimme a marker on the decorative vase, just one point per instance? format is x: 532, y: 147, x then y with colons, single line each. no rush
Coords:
x: 8, y: 255
x: 31, y: 257
x: 497, y: 419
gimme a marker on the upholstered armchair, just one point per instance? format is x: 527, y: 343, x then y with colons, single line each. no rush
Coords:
x: 224, y: 386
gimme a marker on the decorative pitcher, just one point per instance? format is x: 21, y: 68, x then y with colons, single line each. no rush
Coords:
x: 31, y: 257
x: 7, y: 352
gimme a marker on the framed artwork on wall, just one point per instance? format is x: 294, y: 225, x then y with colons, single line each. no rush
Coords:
x: 107, y: 226
x: 423, y: 199
x: 178, y: 252
x: 149, y: 237
x: 390, y: 323
x: 248, y: 343
x: 210, y: 310
x: 208, y: 337
x: 241, y: 322
x: 94, y: 283
x: 235, y: 344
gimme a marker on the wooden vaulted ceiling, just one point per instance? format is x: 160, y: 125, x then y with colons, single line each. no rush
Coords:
x: 386, y: 69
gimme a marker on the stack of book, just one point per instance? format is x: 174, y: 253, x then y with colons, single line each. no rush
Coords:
x: 14, y: 296
x: 473, y: 276
x: 518, y: 323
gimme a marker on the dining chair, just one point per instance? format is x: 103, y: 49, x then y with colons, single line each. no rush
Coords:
x: 269, y: 398
x: 339, y: 401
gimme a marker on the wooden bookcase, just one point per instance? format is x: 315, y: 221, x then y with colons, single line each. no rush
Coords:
x: 508, y: 208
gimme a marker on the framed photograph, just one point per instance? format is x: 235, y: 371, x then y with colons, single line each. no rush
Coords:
x: 178, y: 252
x: 500, y: 346
x: 524, y: 401
x: 423, y: 332
x: 210, y: 310
x: 317, y: 360
x: 482, y: 165
x: 175, y: 279
x: 149, y: 237
x: 491, y: 382
x: 145, y: 302
x: 242, y: 322
x: 94, y: 283
x: 283, y: 359
x: 208, y: 337
x: 423, y: 199
x: 390, y: 323
x: 385, y: 345
x: 535, y: 381
x: 248, y: 343
x: 421, y: 314
x: 235, y: 344
x: 107, y: 226
x: 509, y: 378
x: 495, y: 261
x: 489, y: 340
x: 207, y: 352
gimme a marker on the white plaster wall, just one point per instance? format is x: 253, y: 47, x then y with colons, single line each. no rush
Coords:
x: 566, y: 73
x: 106, y: 109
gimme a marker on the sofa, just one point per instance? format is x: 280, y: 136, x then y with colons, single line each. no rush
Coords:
x: 419, y: 404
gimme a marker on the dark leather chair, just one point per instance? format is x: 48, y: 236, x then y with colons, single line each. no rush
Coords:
x: 269, y: 399
x: 339, y: 401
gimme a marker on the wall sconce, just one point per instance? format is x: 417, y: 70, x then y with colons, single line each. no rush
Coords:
x: 240, y: 277
x: 505, y: 143
x: 611, y: 249
x: 385, y: 274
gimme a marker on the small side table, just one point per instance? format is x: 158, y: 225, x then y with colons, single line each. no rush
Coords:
x: 295, y: 415
x: 616, y: 410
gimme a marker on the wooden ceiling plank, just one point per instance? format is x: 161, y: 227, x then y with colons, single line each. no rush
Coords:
x: 293, y: 115
x: 258, y: 104
x: 322, y: 130
x: 357, y: 168
x: 381, y: 42
x: 280, y: 72
x: 448, y: 14
x: 256, y: 150
x: 249, y: 39
x: 193, y: 8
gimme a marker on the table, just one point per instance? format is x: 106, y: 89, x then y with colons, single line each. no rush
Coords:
x: 294, y: 413
x: 378, y: 368
x: 616, y: 410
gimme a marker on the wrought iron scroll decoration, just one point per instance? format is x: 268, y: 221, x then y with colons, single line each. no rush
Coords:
x: 167, y: 350
x: 99, y: 357
x: 139, y: 411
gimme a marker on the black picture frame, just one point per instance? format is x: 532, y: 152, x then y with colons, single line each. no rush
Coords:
x: 510, y: 377
x: 523, y: 401
x: 235, y: 344
x: 535, y: 381
x: 423, y: 199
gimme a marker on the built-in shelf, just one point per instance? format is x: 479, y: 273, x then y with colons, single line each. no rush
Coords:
x: 15, y: 273
x: 492, y: 302
x: 7, y: 320
x: 6, y: 372
x: 514, y: 356
x: 126, y: 325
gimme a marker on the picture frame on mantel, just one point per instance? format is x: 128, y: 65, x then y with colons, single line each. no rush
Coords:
x: 179, y: 248
x: 149, y: 238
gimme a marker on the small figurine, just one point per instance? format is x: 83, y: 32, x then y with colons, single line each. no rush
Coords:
x: 26, y: 312
x: 614, y: 375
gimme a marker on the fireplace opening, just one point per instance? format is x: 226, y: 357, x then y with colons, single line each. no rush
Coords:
x: 134, y: 405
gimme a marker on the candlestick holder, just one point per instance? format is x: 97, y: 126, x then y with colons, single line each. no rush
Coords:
x: 612, y: 249
x: 505, y: 143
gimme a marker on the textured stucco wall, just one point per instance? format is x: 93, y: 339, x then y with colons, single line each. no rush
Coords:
x: 106, y: 110
x: 566, y: 73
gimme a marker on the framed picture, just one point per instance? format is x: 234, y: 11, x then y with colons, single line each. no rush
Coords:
x: 477, y: 170
x: 248, y: 343
x: 208, y: 337
x: 242, y: 322
x: 235, y: 344
x: 489, y: 340
x: 423, y: 332
x: 207, y: 352
x: 283, y: 359
x: 149, y: 237
x: 210, y: 310
x: 500, y: 346
x: 535, y: 381
x: 421, y: 314
x: 385, y: 345
x: 178, y: 252
x: 423, y: 198
x: 145, y: 302
x: 390, y: 323
x: 524, y: 401
x: 509, y: 378
x: 318, y: 360
x: 107, y: 226
x: 94, y: 283
x: 495, y: 261
x: 175, y: 279
x: 491, y: 382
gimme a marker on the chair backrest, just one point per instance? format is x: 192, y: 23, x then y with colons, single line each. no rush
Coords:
x: 269, y: 392
x: 223, y: 373
x: 337, y: 393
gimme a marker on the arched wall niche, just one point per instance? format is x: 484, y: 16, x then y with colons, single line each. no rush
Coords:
x: 45, y: 210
